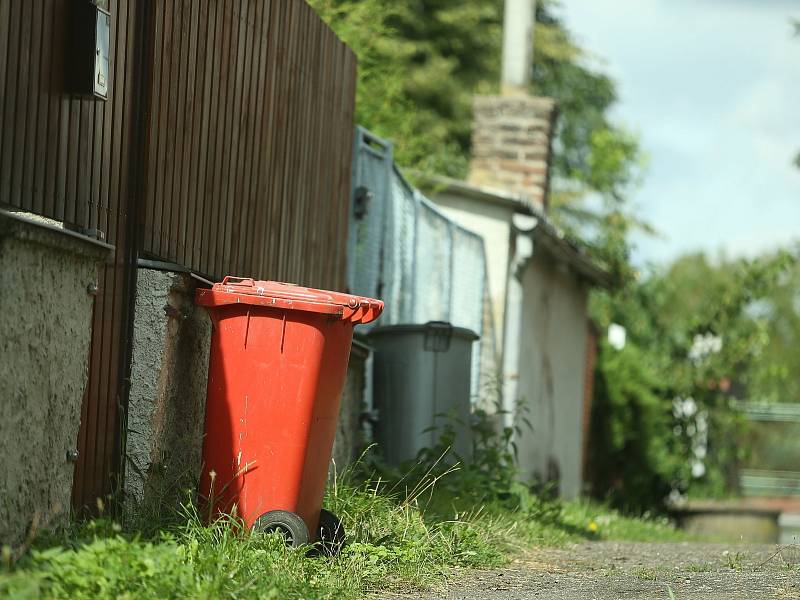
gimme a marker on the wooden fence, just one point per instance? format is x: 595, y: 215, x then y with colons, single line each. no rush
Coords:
x: 224, y: 147
x: 250, y: 130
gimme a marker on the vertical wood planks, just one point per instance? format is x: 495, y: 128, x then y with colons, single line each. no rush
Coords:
x: 251, y: 141
x: 248, y: 148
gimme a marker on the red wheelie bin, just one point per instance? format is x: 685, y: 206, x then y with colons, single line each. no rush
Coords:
x: 278, y: 361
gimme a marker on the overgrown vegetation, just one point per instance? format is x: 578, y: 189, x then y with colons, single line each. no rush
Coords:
x: 421, y: 62
x: 700, y: 335
x: 405, y: 532
x: 394, y: 546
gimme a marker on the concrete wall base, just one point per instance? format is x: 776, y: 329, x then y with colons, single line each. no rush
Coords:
x: 45, y: 334
x: 166, y: 407
x: 755, y: 526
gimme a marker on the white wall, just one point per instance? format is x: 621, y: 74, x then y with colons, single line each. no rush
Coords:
x: 553, y: 343
x: 552, y: 361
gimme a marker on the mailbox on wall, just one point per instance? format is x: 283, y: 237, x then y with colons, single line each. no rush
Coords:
x: 89, y: 46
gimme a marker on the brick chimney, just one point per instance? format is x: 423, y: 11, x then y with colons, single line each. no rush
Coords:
x: 511, y: 145
x: 512, y: 133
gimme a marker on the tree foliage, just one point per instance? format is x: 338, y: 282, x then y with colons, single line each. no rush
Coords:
x: 772, y: 375
x: 420, y: 64
x: 591, y: 151
x: 699, y: 335
x: 597, y: 162
x: 422, y: 61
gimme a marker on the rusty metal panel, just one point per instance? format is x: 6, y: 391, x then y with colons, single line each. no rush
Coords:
x: 251, y: 137
x: 592, y: 342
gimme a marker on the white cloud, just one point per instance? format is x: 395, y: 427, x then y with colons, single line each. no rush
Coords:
x: 714, y: 91
x: 758, y: 242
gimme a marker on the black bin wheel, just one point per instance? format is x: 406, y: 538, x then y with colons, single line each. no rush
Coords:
x: 330, y: 534
x: 288, y: 524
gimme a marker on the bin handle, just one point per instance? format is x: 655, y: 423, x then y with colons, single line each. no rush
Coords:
x: 437, y: 336
x: 230, y: 280
x: 366, y: 311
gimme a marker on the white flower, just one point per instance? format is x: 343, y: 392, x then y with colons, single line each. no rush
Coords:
x: 703, y: 346
x: 617, y: 336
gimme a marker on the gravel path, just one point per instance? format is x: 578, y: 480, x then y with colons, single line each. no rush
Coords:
x: 630, y: 570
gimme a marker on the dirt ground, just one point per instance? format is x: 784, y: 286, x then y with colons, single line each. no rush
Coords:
x: 631, y: 570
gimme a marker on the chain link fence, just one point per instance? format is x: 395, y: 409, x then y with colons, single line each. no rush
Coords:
x: 404, y: 250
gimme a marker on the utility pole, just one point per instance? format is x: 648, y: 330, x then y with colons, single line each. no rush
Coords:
x: 518, y: 20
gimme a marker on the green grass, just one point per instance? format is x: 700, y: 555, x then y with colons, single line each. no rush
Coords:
x: 645, y: 573
x: 611, y: 525
x: 392, y: 546
x: 397, y: 541
x: 699, y: 567
x: 734, y: 559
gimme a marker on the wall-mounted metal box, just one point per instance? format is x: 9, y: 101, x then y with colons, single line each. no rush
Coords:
x: 89, y: 49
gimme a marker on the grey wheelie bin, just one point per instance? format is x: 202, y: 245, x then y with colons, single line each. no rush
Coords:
x: 421, y: 384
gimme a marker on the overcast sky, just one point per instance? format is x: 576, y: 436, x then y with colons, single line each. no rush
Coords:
x: 713, y: 89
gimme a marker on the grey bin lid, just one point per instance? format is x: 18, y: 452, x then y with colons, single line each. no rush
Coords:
x: 461, y: 332
x: 437, y: 334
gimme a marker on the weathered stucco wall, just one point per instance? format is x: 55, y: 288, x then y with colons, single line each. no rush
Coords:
x: 166, y: 408
x: 45, y: 333
x: 493, y: 223
x: 551, y: 377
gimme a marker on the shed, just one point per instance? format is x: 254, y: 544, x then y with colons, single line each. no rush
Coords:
x: 538, y: 286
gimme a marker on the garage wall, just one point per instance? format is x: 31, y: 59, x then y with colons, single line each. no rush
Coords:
x: 551, y: 383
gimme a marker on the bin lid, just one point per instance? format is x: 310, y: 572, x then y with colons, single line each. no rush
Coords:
x: 274, y: 294
x: 424, y: 328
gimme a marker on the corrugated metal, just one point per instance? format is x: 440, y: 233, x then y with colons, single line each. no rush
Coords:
x: 250, y: 132
x: 247, y: 144
x: 402, y: 242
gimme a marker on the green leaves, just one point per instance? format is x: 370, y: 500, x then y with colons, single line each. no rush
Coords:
x: 111, y: 567
x: 591, y: 151
x: 698, y: 330
x: 772, y: 372
x: 612, y: 161
x: 420, y: 62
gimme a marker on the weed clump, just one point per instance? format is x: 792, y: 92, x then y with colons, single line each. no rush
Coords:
x: 392, y: 545
x: 406, y: 529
